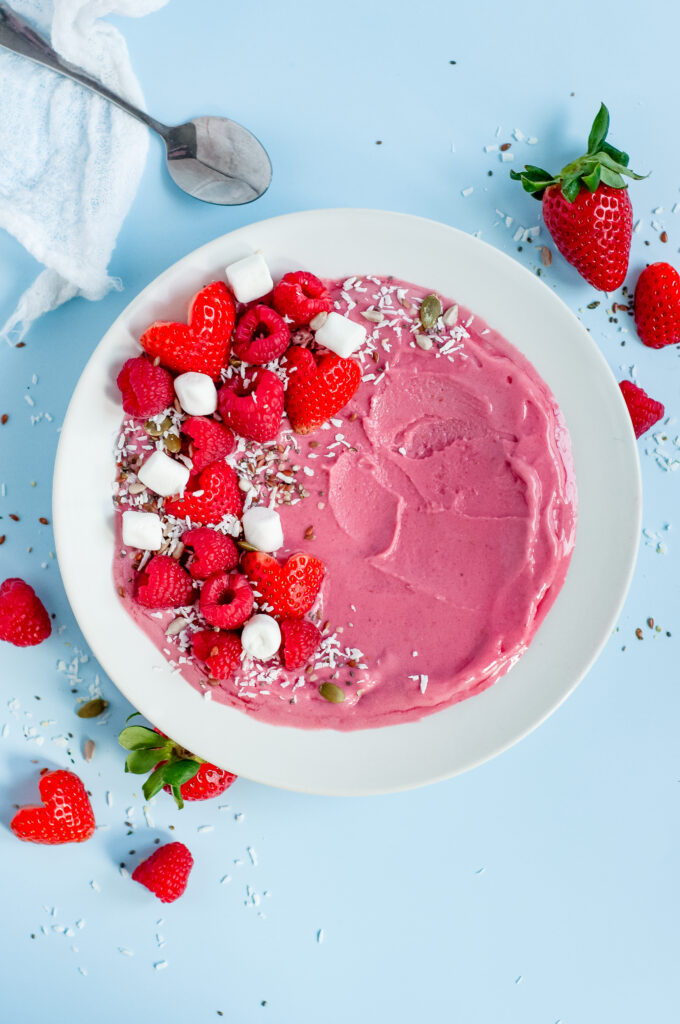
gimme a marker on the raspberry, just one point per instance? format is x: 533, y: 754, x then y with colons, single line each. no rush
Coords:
x: 226, y: 600
x: 220, y: 651
x: 24, y: 621
x: 213, y: 552
x: 163, y: 583
x: 287, y: 591
x: 261, y: 335
x: 210, y: 441
x: 166, y: 872
x: 644, y: 411
x: 300, y: 638
x: 300, y: 296
x: 215, y: 493
x: 146, y: 389
x: 253, y: 405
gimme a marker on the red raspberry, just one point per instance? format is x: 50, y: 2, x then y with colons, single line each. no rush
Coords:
x: 287, y: 591
x: 210, y: 441
x: 213, y: 552
x: 146, y: 389
x: 318, y: 388
x: 300, y: 296
x: 163, y: 583
x: 253, y: 405
x: 644, y: 411
x: 260, y: 336
x: 215, y: 493
x: 65, y: 815
x: 300, y: 638
x: 166, y: 872
x: 220, y: 651
x: 24, y: 621
x: 226, y: 600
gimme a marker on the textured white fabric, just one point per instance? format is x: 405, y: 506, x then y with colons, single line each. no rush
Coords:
x: 70, y: 163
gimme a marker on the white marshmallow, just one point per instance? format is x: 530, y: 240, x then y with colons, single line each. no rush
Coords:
x: 261, y: 637
x: 341, y: 335
x: 197, y: 393
x: 262, y: 527
x: 163, y: 475
x: 249, y: 278
x: 142, y: 530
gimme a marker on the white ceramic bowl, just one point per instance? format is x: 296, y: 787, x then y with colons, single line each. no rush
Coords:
x: 333, y: 243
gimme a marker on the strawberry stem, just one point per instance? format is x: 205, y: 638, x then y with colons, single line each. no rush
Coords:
x: 601, y: 164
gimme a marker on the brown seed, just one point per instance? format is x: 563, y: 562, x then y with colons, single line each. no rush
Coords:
x: 92, y: 708
x: 664, y: 236
x: 650, y: 622
x: 44, y: 521
x: 88, y: 750
x: 325, y: 626
x: 2, y: 538
x: 374, y: 356
x: 4, y: 418
x: 505, y: 147
x: 121, y: 591
x: 352, y: 663
x: 179, y: 551
x: 546, y: 256
x: 20, y: 344
x: 13, y: 517
x: 309, y: 533
x: 353, y: 416
x: 638, y: 633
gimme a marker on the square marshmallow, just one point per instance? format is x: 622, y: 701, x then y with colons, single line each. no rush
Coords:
x: 197, y: 393
x: 163, y: 475
x: 341, y: 335
x: 142, y: 530
x: 262, y: 528
x: 249, y: 278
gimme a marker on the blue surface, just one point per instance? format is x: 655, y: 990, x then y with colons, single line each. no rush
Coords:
x: 541, y: 887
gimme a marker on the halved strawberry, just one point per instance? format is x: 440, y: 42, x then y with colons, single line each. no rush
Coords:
x: 318, y: 387
x: 285, y: 591
x: 203, y: 344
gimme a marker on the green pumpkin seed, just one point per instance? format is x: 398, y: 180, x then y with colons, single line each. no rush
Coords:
x: 152, y: 429
x: 430, y: 311
x: 173, y: 443
x: 331, y: 692
x: 92, y: 708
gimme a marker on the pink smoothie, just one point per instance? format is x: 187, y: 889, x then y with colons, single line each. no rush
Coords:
x: 442, y: 501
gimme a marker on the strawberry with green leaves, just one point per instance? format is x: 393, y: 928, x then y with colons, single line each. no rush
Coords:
x: 587, y: 209
x: 172, y: 767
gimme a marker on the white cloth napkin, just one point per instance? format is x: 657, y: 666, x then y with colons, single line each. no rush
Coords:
x: 70, y: 162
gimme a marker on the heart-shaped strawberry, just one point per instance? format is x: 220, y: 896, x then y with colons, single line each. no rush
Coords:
x: 65, y: 815
x: 319, y: 389
x: 215, y: 494
x: 252, y: 405
x: 284, y: 591
x: 203, y: 344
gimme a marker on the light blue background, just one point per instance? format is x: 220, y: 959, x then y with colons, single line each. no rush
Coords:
x: 541, y: 887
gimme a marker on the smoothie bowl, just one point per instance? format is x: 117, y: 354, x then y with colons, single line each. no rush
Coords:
x: 345, y: 502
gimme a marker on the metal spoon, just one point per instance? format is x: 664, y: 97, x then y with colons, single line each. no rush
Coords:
x: 212, y: 158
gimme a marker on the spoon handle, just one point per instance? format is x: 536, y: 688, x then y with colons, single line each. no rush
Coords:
x: 18, y: 36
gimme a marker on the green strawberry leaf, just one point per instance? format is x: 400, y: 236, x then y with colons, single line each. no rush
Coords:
x: 133, y: 715
x: 136, y: 737
x: 155, y: 782
x: 139, y: 762
x: 571, y: 188
x: 612, y: 178
x: 179, y: 772
x: 615, y: 154
x: 592, y: 180
x: 598, y: 133
x: 177, y: 793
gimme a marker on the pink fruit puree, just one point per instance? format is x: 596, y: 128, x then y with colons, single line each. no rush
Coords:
x: 442, y: 501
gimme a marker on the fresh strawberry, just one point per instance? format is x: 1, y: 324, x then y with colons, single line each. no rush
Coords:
x: 213, y: 552
x: 226, y: 600
x: 215, y: 494
x: 252, y: 405
x: 261, y: 335
x: 202, y: 345
x: 210, y: 441
x: 644, y: 411
x: 65, y: 815
x: 284, y: 591
x: 172, y: 767
x: 586, y: 208
x: 146, y: 389
x: 299, y: 639
x: 300, y: 296
x: 166, y: 872
x: 163, y: 583
x: 24, y: 621
x: 220, y: 651
x: 318, y: 387
x: 657, y: 305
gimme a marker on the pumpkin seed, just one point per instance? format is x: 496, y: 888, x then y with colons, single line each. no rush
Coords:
x: 173, y: 443
x: 92, y: 708
x: 331, y: 692
x: 153, y: 429
x: 319, y: 320
x: 430, y: 311
x: 245, y: 546
x: 424, y: 341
